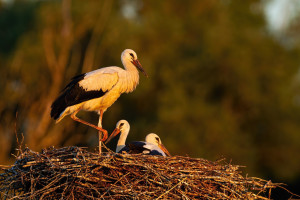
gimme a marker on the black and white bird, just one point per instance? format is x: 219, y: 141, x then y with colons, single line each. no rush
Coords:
x: 98, y: 90
x: 151, y: 146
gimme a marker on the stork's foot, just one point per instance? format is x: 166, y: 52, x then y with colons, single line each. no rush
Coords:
x: 104, y: 135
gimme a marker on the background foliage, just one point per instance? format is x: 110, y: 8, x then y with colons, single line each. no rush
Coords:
x: 220, y: 84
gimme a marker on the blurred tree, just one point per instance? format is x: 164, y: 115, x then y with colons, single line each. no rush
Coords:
x: 21, y: 14
x: 219, y: 84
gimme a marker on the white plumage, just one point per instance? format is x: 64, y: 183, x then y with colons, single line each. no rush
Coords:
x: 152, y: 141
x: 151, y: 146
x: 98, y: 90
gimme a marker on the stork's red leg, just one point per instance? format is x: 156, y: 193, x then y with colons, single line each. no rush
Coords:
x: 73, y: 116
x: 102, y: 136
x: 100, y: 118
x: 105, y: 135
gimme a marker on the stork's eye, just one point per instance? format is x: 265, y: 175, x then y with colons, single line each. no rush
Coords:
x: 157, y: 139
x: 131, y: 54
x: 122, y: 124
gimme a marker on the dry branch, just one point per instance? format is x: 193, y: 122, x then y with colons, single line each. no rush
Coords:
x: 74, y: 173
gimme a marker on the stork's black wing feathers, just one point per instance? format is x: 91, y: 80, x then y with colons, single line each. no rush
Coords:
x: 136, y: 147
x: 74, y: 80
x: 139, y: 147
x: 73, y: 94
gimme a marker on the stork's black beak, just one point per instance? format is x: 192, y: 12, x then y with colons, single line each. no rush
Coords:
x: 139, y: 66
x: 113, y: 134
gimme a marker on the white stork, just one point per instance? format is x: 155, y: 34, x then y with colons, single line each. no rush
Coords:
x: 98, y: 90
x: 151, y: 146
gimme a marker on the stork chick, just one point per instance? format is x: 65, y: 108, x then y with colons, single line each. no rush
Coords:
x: 151, y: 146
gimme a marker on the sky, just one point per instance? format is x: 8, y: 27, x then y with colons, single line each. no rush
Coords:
x: 280, y: 13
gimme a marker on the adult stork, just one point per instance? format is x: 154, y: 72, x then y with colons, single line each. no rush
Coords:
x: 151, y: 146
x: 98, y: 90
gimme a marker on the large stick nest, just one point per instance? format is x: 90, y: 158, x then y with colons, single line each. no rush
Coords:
x: 75, y: 173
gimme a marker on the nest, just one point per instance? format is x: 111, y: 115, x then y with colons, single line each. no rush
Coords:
x: 75, y: 173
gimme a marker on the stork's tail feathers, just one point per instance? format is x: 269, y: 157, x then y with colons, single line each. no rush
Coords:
x: 58, y: 107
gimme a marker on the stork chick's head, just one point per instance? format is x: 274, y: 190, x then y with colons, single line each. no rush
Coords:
x: 129, y: 56
x: 121, y: 127
x: 155, y: 139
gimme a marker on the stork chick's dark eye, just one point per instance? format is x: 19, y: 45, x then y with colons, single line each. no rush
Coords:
x: 157, y: 139
x: 131, y: 54
x: 122, y: 124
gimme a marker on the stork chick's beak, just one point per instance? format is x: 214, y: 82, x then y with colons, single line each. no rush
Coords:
x: 164, y: 149
x: 139, y: 66
x: 113, y: 134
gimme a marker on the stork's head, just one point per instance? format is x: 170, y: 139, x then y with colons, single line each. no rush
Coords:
x: 128, y: 55
x: 155, y: 139
x: 121, y: 127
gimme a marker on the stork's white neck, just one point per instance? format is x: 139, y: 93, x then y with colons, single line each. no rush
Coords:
x: 129, y: 78
x: 122, y: 139
x: 128, y: 65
